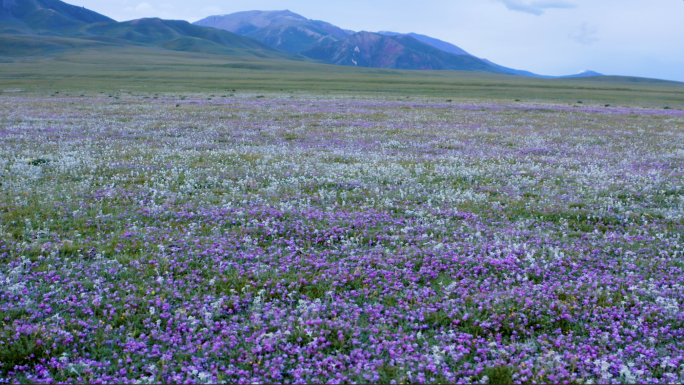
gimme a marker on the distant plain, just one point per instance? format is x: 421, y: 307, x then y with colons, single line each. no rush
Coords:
x: 142, y: 69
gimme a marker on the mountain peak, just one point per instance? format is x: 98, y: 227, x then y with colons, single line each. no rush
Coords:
x: 284, y: 30
x: 366, y: 34
x: 235, y: 22
x: 584, y: 74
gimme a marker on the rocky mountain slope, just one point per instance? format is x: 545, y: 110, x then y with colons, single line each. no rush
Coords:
x: 366, y: 49
x: 284, y: 30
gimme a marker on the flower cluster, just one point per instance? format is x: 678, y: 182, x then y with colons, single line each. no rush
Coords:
x: 328, y: 239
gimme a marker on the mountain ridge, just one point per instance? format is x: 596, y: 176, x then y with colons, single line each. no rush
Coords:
x: 26, y: 25
x: 322, y: 41
x: 367, y: 49
x: 45, y: 16
x: 266, y: 34
x: 439, y: 44
x: 284, y: 30
x: 325, y: 42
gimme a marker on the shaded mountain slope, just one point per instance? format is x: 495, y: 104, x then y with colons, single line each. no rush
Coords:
x: 516, y: 72
x: 45, y: 16
x: 439, y: 44
x: 366, y: 49
x: 450, y: 48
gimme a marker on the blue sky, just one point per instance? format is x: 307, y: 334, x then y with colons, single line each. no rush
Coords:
x: 550, y: 37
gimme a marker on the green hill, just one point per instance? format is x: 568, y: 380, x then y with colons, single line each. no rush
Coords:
x: 31, y: 45
x: 180, y: 35
x: 25, y: 26
x: 45, y: 17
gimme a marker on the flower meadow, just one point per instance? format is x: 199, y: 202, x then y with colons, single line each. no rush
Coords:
x: 292, y: 238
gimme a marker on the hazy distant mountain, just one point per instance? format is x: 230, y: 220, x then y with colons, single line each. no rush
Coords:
x: 516, y: 72
x: 284, y: 30
x: 366, y: 49
x: 25, y: 26
x: 583, y: 74
x: 448, y: 47
x: 439, y: 44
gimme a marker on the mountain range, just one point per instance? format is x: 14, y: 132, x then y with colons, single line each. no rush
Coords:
x: 40, y: 26
x: 322, y: 41
x: 366, y: 49
x: 35, y: 27
x: 325, y: 42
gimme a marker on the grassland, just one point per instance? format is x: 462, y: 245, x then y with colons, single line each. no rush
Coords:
x: 203, y: 219
x: 141, y: 69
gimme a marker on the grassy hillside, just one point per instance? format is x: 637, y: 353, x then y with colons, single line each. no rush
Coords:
x: 27, y: 46
x: 109, y: 69
x: 180, y: 35
x: 36, y: 19
x: 45, y: 16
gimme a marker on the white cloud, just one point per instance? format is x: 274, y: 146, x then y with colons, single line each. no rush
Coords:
x: 167, y: 10
x: 586, y: 35
x: 536, y: 7
x: 143, y: 7
x: 143, y: 10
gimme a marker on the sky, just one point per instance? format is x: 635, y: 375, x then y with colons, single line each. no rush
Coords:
x: 548, y: 37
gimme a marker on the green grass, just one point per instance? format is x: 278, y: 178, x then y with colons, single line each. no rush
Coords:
x: 142, y: 69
